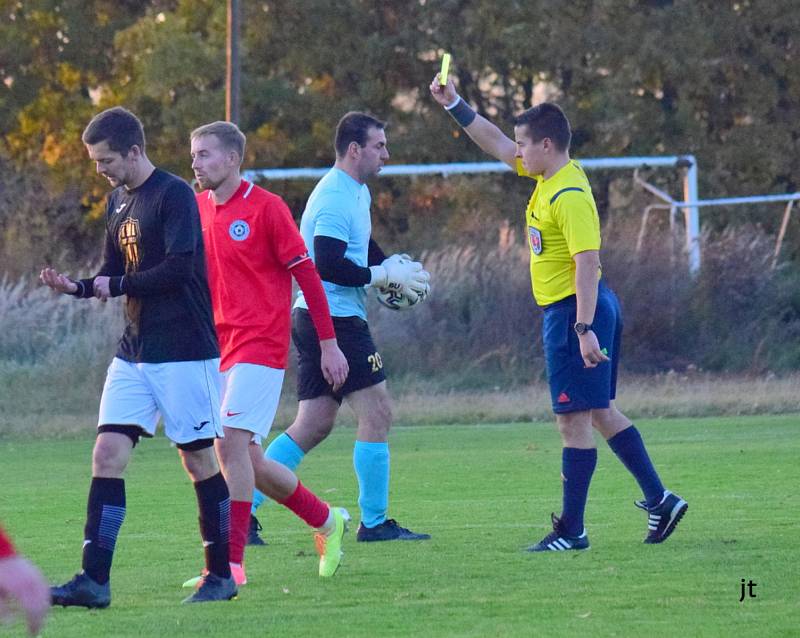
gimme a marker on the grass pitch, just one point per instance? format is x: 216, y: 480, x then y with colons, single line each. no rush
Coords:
x: 484, y: 492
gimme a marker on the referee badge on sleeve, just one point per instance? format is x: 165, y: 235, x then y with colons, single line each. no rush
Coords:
x: 535, y: 236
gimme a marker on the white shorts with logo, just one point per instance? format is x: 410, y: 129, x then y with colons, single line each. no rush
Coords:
x: 184, y: 393
x: 250, y: 397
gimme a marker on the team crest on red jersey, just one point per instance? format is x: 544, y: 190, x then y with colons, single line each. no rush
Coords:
x: 239, y: 230
x: 535, y: 236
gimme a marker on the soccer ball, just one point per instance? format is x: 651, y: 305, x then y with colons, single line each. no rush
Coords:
x: 393, y: 298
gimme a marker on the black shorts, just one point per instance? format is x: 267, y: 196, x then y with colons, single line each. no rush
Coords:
x: 355, y: 341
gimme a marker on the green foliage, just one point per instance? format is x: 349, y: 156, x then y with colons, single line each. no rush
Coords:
x: 484, y: 493
x: 40, y: 224
x: 151, y: 63
x: 716, y: 79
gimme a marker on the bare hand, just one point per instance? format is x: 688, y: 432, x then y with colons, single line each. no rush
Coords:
x: 58, y: 282
x: 590, y: 350
x: 333, y: 363
x: 102, y: 288
x: 22, y: 586
x: 444, y: 95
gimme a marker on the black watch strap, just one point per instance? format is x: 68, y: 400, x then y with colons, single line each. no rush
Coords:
x: 583, y: 328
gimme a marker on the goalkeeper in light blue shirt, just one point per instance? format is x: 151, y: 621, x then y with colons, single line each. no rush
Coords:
x: 337, y: 229
x: 339, y: 209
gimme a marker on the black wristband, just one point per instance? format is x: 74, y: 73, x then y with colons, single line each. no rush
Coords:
x: 79, y: 291
x: 462, y: 113
x: 115, y: 285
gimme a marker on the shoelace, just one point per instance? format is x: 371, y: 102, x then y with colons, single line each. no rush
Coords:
x: 556, y: 533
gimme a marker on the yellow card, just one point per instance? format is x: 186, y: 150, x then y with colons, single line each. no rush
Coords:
x: 445, y: 69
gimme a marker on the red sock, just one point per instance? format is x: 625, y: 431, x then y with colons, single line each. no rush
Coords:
x: 307, y: 506
x: 240, y: 522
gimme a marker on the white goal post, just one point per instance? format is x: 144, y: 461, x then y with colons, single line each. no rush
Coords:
x: 686, y: 163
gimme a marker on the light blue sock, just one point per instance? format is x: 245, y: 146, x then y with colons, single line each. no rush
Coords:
x: 285, y: 451
x: 371, y: 462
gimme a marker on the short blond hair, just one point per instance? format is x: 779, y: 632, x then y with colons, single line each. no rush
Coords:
x: 227, y: 133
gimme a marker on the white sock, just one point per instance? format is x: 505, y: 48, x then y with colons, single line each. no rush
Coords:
x: 329, y: 524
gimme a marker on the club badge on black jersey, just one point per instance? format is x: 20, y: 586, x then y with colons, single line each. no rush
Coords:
x: 129, y: 244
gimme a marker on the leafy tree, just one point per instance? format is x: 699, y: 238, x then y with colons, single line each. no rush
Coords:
x: 719, y: 80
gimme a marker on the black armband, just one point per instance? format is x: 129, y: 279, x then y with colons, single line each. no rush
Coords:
x: 462, y: 113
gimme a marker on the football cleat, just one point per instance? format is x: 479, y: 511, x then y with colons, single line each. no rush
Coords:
x: 214, y: 588
x: 664, y: 517
x: 237, y: 571
x: 329, y: 546
x: 253, y: 537
x: 82, y: 591
x: 389, y: 530
x: 558, y: 541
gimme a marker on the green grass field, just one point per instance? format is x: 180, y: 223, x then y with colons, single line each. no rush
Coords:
x: 484, y: 492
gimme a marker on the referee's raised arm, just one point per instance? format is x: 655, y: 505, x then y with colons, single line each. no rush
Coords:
x: 485, y: 134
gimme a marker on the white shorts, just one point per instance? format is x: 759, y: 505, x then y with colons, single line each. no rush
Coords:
x: 250, y: 397
x: 184, y: 393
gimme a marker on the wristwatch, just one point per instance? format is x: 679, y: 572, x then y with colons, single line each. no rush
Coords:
x: 583, y: 328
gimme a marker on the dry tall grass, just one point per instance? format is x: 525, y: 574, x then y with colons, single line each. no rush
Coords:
x: 480, y: 321
x: 472, y: 352
x: 660, y: 396
x: 54, y: 350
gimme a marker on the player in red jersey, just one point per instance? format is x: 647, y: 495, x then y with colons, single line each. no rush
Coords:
x: 253, y: 249
x: 21, y: 585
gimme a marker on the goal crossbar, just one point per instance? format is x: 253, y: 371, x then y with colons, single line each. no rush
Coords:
x: 686, y: 162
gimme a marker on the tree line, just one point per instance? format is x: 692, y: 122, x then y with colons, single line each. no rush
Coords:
x: 716, y: 79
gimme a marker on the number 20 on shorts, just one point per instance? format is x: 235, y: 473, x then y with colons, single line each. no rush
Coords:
x: 375, y: 361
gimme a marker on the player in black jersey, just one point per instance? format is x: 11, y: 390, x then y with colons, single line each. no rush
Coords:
x: 167, y: 362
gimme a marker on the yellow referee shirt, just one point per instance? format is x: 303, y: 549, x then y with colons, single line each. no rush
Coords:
x: 562, y: 221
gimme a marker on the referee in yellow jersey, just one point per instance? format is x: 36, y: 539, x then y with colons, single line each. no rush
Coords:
x: 582, y: 318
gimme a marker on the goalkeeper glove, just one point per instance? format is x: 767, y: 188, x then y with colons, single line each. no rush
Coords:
x: 398, y: 270
x: 422, y: 292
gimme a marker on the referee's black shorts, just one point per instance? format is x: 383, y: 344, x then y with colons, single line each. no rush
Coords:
x: 355, y: 341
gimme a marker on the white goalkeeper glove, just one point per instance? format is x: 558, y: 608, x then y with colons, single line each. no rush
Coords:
x: 403, y: 274
x: 422, y: 292
x: 418, y: 289
x: 399, y: 270
x: 378, y: 272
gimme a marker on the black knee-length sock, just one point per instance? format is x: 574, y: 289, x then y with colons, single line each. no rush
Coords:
x: 105, y: 512
x: 214, y: 504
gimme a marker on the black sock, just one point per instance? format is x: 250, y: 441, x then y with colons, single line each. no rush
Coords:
x: 629, y: 448
x: 577, y: 468
x: 214, y: 503
x: 105, y: 512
